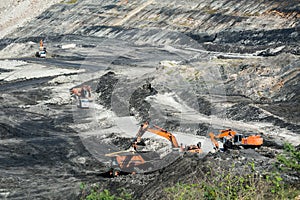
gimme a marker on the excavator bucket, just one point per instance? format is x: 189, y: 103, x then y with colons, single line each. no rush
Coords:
x: 129, y: 161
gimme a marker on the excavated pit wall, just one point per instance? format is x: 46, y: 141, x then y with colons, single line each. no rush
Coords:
x: 51, y: 154
x: 227, y: 26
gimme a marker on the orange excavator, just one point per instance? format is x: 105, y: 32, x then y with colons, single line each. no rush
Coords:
x: 125, y: 161
x: 231, y: 139
x: 167, y: 135
x: 42, y: 51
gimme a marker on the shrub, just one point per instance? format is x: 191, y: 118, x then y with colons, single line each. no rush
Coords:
x: 230, y: 185
x: 289, y: 159
x: 94, y: 193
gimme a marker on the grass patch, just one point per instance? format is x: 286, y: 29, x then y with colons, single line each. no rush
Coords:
x: 248, y: 184
x: 96, y: 193
x: 243, y: 182
x: 229, y: 185
x: 289, y: 160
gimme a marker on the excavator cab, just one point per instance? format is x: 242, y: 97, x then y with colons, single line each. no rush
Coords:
x: 240, y: 140
x: 194, y: 148
x: 237, y: 139
x: 233, y: 140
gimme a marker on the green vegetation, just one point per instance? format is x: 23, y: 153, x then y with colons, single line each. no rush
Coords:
x: 232, y: 184
x: 248, y: 185
x: 95, y: 193
x: 289, y: 159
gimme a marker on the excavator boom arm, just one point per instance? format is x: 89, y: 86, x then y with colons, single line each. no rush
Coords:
x: 169, y: 136
x: 158, y: 131
x: 213, y: 140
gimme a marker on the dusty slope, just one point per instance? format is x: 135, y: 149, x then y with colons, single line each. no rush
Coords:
x: 15, y: 14
x: 250, y: 26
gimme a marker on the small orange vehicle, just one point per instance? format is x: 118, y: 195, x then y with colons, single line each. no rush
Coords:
x: 83, y: 96
x: 42, y: 51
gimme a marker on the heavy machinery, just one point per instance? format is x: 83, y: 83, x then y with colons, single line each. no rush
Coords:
x: 83, y: 96
x: 169, y: 136
x: 231, y: 139
x: 127, y: 162
x: 124, y: 161
x: 133, y: 160
x: 42, y: 51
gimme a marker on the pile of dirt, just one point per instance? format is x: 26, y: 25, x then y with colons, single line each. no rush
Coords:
x: 105, y: 88
x: 139, y: 107
x: 121, y: 142
x: 205, y: 106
